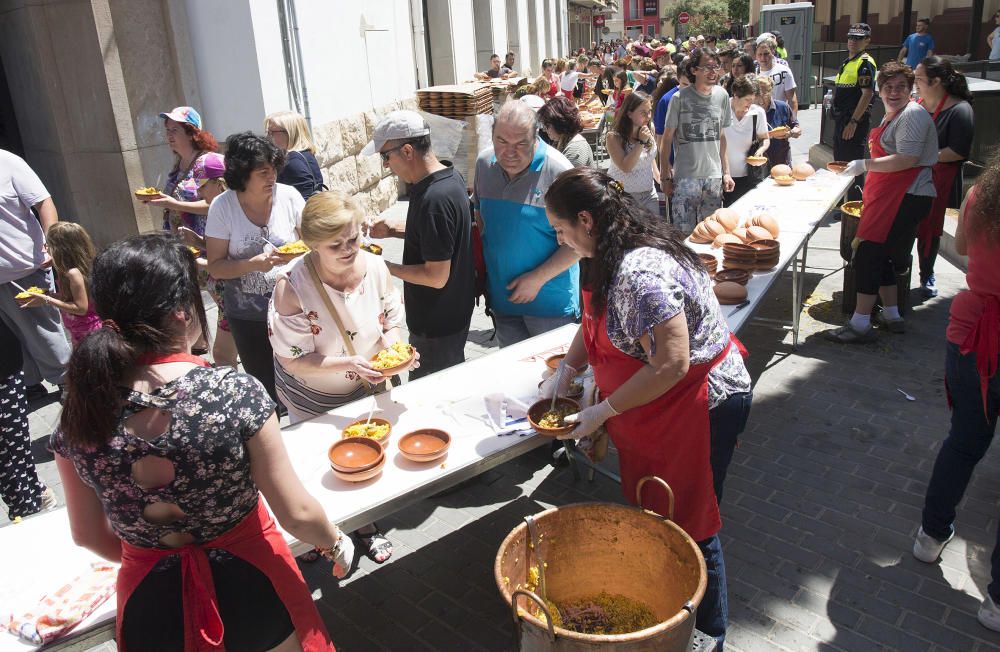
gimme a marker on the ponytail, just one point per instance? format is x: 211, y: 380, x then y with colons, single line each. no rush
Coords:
x: 138, y: 285
x: 952, y: 81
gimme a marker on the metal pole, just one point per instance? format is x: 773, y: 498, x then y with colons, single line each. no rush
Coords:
x: 297, y: 47
x: 832, y: 36
x: 864, y: 11
x: 907, y: 17
x: 976, y: 29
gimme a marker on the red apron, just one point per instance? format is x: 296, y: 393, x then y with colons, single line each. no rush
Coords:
x: 944, y: 180
x: 984, y: 341
x: 883, y: 193
x: 669, y: 437
x: 255, y: 540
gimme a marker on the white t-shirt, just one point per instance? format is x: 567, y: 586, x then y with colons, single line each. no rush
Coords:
x: 247, y: 297
x: 569, y: 79
x: 21, y: 238
x: 739, y: 136
x: 783, y: 80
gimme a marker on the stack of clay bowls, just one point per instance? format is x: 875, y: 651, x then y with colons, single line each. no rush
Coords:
x: 768, y: 251
x: 725, y: 227
x: 711, y: 264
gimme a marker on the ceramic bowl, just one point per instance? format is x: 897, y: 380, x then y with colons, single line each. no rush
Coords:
x: 552, y: 362
x: 382, y: 422
x: 144, y: 196
x: 765, y: 246
x: 740, y: 276
x: 538, y: 409
x: 756, y: 160
x: 395, y: 369
x: 709, y: 261
x: 785, y: 181
x: 355, y: 454
x: 425, y: 445
x: 837, y: 166
x: 361, y: 476
x: 852, y: 208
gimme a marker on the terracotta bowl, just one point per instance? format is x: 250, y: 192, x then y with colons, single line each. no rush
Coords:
x: 709, y: 261
x: 141, y: 196
x: 765, y: 246
x: 785, y: 181
x: 738, y: 249
x: 837, y: 166
x: 361, y: 476
x: 382, y: 422
x: 538, y: 409
x: 756, y: 160
x: 852, y: 208
x: 392, y: 371
x: 552, y: 362
x: 734, y: 265
x: 355, y: 454
x: 740, y: 276
x: 425, y: 445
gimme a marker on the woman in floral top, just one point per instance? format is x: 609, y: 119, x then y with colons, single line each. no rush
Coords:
x: 164, y: 461
x: 675, y: 392
x: 315, y: 369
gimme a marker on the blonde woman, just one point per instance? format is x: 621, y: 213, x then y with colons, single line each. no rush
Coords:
x: 290, y: 133
x: 321, y: 360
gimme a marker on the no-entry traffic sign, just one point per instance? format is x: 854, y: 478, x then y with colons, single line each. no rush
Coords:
x: 683, y: 18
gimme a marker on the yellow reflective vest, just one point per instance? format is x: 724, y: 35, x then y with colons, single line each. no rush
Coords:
x: 848, y: 75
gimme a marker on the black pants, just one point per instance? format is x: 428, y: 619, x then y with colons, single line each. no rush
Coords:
x: 927, y: 262
x: 743, y: 186
x: 20, y: 488
x: 255, y: 351
x: 877, y: 264
x: 253, y: 616
x: 849, y: 150
x: 438, y: 353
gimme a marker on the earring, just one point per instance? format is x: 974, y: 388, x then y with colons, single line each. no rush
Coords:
x: 588, y: 233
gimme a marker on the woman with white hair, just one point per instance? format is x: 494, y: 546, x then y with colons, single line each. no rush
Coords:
x: 289, y: 131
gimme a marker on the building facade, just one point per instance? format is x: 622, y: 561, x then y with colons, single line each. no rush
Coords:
x: 82, y: 82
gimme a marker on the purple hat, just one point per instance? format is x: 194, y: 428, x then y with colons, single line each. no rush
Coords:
x: 184, y: 114
x: 208, y: 167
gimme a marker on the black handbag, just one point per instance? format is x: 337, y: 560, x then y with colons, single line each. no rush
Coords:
x: 756, y: 173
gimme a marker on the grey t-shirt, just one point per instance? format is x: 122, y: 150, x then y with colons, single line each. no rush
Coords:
x: 579, y: 152
x: 912, y: 133
x: 698, y: 121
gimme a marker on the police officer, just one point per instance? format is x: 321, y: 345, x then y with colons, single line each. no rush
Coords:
x: 852, y: 98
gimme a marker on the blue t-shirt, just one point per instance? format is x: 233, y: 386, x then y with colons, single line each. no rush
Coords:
x: 517, y: 236
x: 917, y: 46
x: 660, y: 116
x: 780, y: 150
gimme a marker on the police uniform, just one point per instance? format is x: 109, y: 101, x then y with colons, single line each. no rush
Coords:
x: 856, y: 75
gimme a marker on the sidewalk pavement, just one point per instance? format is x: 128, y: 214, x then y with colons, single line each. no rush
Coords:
x: 821, y: 504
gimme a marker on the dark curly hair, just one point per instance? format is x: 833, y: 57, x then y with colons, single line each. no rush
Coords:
x: 892, y: 69
x: 138, y: 283
x: 698, y: 58
x: 245, y: 152
x: 619, y: 226
x: 562, y: 114
x: 982, y: 216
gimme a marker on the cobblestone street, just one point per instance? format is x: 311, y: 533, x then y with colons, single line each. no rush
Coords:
x: 822, y: 500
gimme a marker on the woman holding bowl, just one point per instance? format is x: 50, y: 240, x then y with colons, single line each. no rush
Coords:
x: 182, y: 208
x: 245, y: 225
x: 898, y: 194
x: 333, y: 310
x: 675, y: 392
x: 745, y: 136
x: 779, y: 114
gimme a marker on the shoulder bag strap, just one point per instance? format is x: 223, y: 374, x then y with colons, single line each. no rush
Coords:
x: 318, y: 282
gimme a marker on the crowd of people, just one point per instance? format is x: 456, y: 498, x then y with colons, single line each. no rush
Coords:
x: 549, y: 239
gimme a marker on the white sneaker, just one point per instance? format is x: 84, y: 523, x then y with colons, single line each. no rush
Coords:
x: 989, y: 615
x: 928, y: 549
x: 49, y: 500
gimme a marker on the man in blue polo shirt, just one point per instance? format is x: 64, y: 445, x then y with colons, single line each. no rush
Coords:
x: 533, y: 282
x: 918, y: 45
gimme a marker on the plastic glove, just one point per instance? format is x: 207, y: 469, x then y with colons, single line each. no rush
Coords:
x: 343, y: 558
x: 548, y: 387
x: 854, y: 168
x: 589, y: 420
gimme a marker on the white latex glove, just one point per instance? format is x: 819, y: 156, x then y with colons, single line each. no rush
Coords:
x: 344, y: 558
x: 854, y: 168
x: 548, y: 386
x: 589, y: 420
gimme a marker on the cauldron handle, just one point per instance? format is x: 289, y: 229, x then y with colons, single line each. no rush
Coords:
x: 517, y: 618
x: 662, y: 483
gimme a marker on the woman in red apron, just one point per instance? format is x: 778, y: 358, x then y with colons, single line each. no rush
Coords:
x: 971, y: 378
x: 164, y: 459
x: 943, y: 92
x: 675, y: 392
x: 898, y: 194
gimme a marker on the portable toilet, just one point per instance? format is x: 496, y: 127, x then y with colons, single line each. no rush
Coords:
x: 795, y: 22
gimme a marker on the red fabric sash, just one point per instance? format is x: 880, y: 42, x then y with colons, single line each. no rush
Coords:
x: 255, y: 540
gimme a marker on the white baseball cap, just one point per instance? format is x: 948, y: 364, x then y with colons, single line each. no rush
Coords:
x: 534, y: 101
x: 398, y: 125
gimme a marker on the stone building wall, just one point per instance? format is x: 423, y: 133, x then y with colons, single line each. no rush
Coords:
x: 345, y: 169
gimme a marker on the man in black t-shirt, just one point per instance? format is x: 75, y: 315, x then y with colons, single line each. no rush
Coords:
x: 437, y: 269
